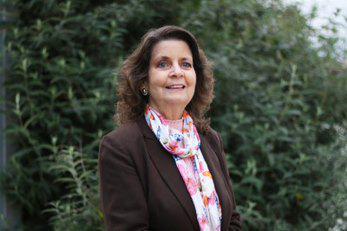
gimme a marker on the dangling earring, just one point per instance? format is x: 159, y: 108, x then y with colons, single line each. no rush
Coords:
x: 144, y: 91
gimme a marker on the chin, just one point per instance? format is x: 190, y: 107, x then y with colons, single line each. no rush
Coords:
x: 177, y: 100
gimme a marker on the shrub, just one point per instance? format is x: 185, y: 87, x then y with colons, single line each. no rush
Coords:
x: 280, y: 106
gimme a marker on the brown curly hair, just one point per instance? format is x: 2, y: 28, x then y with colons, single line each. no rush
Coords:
x: 134, y: 73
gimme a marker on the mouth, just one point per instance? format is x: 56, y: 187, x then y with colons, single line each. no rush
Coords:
x: 175, y: 86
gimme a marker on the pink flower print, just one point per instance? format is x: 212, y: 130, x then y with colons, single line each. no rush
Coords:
x: 188, y: 162
x: 183, y: 171
x: 201, y: 166
x: 184, y: 131
x: 196, y: 134
x: 203, y: 223
x: 173, y: 146
x: 181, y: 153
x: 212, y: 199
x: 192, y: 186
x: 165, y: 122
x: 206, y: 200
x: 208, y: 174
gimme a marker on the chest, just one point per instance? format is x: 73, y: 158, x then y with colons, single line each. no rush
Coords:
x: 170, y: 206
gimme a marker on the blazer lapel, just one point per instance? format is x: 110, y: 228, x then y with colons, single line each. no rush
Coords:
x: 167, y: 169
x: 171, y: 176
x: 214, y: 166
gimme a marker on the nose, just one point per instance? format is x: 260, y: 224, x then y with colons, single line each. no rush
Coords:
x: 176, y: 71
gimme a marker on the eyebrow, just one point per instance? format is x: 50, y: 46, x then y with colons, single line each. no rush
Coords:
x: 166, y: 57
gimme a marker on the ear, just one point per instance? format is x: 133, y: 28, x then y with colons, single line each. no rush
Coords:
x: 144, y: 89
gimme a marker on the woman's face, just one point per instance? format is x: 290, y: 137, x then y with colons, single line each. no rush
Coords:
x: 172, y: 77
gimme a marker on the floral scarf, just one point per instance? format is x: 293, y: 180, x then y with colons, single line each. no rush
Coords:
x: 185, y: 148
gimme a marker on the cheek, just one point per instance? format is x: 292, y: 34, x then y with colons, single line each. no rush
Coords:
x: 154, y: 80
x: 192, y: 81
x: 192, y: 86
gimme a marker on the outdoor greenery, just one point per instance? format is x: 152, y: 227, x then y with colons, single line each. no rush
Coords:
x: 280, y: 105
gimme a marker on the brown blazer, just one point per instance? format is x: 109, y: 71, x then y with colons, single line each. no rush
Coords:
x: 142, y: 189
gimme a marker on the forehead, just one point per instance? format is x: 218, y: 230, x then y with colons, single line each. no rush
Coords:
x: 171, y: 48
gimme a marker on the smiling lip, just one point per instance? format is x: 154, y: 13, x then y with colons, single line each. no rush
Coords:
x: 175, y: 86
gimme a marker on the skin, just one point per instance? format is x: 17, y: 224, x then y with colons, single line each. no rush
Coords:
x: 172, y: 78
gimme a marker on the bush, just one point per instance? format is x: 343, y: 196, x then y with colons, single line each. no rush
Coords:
x: 279, y: 106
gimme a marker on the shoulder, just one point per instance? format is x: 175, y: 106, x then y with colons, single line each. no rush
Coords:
x: 122, y: 138
x: 124, y: 132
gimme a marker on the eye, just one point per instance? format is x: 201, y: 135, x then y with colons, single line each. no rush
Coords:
x: 163, y: 64
x: 187, y: 65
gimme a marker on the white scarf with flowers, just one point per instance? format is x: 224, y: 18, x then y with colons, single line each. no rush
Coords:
x: 183, y: 146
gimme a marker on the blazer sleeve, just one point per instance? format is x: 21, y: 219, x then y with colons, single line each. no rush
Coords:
x: 122, y: 197
x: 235, y: 222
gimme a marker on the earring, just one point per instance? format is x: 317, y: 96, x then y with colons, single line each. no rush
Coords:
x: 144, y: 91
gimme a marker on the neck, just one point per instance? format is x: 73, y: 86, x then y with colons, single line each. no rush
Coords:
x: 169, y: 112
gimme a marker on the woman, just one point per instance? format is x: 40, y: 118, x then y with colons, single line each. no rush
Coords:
x: 164, y: 168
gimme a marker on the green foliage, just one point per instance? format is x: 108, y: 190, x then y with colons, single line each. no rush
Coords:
x: 78, y: 208
x: 280, y: 106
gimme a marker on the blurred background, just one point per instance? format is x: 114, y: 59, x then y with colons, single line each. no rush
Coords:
x: 280, y: 104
